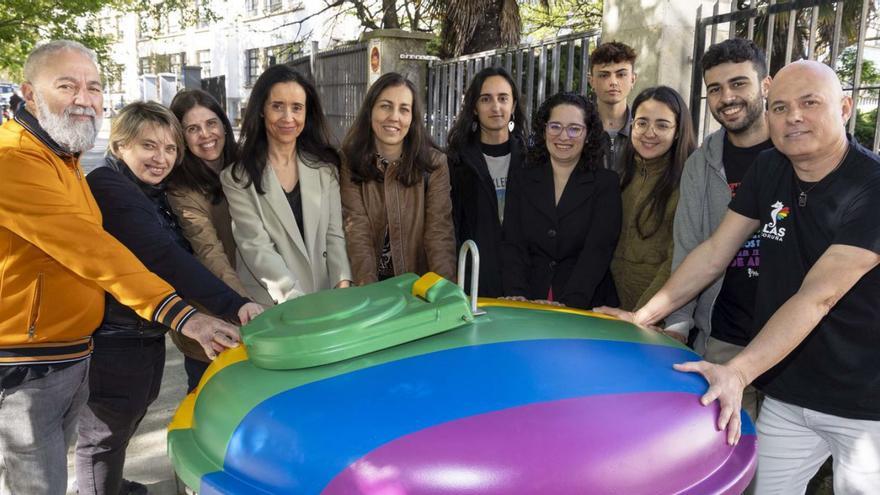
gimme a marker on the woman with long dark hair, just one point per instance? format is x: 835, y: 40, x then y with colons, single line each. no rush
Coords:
x: 283, y: 193
x: 395, y: 188
x: 197, y: 199
x: 486, y: 145
x: 562, y: 216
x: 661, y: 139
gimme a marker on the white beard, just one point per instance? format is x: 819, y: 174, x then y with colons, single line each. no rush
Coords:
x: 74, y: 136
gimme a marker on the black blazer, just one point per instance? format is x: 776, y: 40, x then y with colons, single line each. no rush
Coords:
x: 138, y: 216
x: 475, y: 209
x: 567, y: 246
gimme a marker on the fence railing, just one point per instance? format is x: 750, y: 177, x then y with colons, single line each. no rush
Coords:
x: 216, y: 86
x: 540, y: 69
x: 159, y: 87
x: 822, y: 30
x: 340, y: 76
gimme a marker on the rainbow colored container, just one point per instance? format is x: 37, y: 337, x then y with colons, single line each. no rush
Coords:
x: 396, y: 389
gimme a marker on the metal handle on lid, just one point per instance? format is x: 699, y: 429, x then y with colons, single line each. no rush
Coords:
x: 470, y: 246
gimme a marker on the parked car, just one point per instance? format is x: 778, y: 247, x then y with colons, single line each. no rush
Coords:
x: 6, y: 91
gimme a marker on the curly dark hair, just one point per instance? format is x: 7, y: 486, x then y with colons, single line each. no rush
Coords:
x: 359, y: 145
x: 461, y: 133
x: 735, y: 50
x: 684, y: 144
x: 612, y: 52
x: 192, y: 172
x: 253, y: 147
x: 591, y: 155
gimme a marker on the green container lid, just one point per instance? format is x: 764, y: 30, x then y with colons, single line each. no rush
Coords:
x: 338, y: 324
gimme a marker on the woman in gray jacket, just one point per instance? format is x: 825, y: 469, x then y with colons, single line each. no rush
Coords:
x: 283, y: 193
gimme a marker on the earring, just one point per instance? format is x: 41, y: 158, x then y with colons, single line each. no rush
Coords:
x: 473, y: 127
x: 511, y: 125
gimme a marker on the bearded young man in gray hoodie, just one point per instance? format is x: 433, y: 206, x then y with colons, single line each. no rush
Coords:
x: 735, y: 74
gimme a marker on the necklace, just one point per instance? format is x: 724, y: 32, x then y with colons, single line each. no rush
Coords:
x: 802, y: 197
x: 385, y: 162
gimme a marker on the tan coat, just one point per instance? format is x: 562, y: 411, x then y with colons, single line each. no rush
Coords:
x: 275, y: 262
x: 419, y: 219
x: 208, y: 228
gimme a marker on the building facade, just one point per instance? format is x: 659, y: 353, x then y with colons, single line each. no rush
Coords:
x: 235, y: 46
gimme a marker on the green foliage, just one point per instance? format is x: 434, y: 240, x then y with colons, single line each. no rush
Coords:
x: 846, y: 68
x: 865, y: 125
x: 562, y: 17
x: 23, y: 23
x: 870, y: 76
x: 850, y: 17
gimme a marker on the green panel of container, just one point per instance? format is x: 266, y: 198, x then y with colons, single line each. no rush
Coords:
x: 334, y: 325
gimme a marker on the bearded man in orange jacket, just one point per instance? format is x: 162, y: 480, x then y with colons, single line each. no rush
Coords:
x: 56, y: 262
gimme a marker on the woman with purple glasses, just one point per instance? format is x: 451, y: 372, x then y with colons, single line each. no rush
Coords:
x: 562, y: 213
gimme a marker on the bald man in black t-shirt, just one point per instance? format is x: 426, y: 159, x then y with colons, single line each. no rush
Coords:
x: 817, y: 317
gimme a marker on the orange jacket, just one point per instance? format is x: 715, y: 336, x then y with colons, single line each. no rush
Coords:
x: 56, y: 260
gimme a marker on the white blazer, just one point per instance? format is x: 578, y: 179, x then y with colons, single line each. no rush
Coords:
x: 274, y: 262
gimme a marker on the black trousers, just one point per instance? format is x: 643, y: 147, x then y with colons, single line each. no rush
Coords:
x: 124, y: 379
x: 194, y: 371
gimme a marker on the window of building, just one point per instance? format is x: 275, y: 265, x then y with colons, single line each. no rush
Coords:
x: 273, y: 5
x: 175, y: 63
x: 174, y: 22
x: 251, y: 66
x: 119, y: 27
x: 143, y: 27
x: 201, y: 13
x: 203, y: 59
x: 251, y: 6
x: 282, y: 54
x: 144, y: 66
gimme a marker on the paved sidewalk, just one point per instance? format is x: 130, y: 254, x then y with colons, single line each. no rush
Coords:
x: 95, y: 156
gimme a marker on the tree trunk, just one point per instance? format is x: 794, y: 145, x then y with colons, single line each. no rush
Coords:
x: 487, y: 35
x: 389, y: 15
x: 472, y: 26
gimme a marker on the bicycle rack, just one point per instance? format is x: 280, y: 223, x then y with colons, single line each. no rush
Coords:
x: 470, y: 246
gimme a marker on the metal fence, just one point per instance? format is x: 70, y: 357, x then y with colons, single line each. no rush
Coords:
x: 539, y: 69
x: 216, y: 86
x: 830, y: 31
x: 159, y: 87
x: 340, y: 76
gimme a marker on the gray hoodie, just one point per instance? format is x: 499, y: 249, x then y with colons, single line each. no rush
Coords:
x: 703, y: 199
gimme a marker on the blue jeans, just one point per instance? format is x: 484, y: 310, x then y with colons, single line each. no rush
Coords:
x: 37, y: 425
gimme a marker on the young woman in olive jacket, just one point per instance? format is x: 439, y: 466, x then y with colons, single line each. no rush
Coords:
x: 662, y: 138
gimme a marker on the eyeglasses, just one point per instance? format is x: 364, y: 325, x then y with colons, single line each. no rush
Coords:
x: 573, y: 131
x: 660, y: 127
